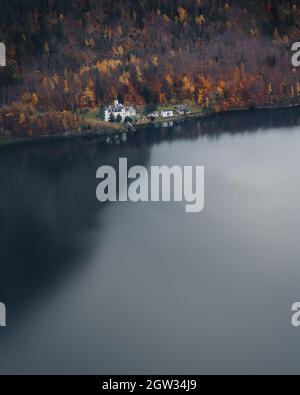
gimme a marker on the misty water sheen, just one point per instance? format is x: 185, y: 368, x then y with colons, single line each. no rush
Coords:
x: 145, y: 288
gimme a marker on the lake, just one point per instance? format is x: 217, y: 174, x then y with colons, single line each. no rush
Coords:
x: 145, y: 288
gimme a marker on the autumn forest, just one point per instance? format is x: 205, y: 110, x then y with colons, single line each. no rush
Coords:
x: 67, y: 56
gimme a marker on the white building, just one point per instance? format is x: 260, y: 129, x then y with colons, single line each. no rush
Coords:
x: 167, y: 113
x: 154, y: 114
x: 182, y: 109
x: 118, y: 110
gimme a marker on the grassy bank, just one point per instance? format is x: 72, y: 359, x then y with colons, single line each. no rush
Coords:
x: 14, y: 140
x: 92, y: 119
x: 92, y: 124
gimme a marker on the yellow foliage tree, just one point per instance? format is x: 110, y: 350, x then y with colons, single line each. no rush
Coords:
x: 106, y: 65
x: 166, y: 18
x: 183, y: 14
x: 200, y: 97
x: 134, y: 59
x: 270, y: 88
x: 55, y: 79
x: 139, y: 73
x: 205, y: 85
x: 155, y: 61
x: 34, y: 99
x: 221, y: 88
x: 187, y: 85
x: 66, y: 86
x: 22, y: 119
x: 162, y: 97
x: 46, y: 48
x: 200, y: 20
x: 207, y: 103
x: 169, y: 80
x: 88, y: 99
x: 119, y: 51
x: 125, y: 78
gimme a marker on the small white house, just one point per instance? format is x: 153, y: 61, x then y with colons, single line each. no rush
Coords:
x: 167, y: 113
x: 154, y: 114
x: 118, y: 110
x: 182, y: 109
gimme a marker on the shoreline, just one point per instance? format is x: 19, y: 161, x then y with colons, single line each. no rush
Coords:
x: 107, y: 131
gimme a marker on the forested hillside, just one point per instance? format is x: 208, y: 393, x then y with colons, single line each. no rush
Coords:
x: 64, y: 56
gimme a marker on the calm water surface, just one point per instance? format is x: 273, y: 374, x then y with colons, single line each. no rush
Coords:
x: 146, y: 288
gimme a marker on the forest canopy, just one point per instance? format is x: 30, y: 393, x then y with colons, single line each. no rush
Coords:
x: 64, y: 56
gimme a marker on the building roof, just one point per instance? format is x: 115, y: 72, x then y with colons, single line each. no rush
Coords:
x: 182, y: 107
x: 118, y: 108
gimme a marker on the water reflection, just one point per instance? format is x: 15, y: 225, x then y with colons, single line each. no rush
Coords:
x: 136, y: 288
x: 49, y: 213
x: 218, y: 125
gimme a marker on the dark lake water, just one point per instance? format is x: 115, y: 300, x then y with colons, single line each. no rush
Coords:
x: 144, y: 288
